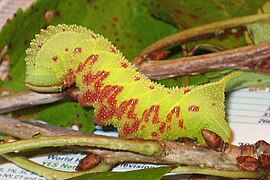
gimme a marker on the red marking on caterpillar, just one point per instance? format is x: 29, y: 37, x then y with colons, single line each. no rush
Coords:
x: 66, y: 49
x: 55, y: 58
x: 181, y: 123
x: 194, y: 108
x: 154, y: 134
x: 93, y: 36
x: 174, y: 112
x: 124, y: 65
x: 162, y: 127
x: 78, y: 50
x: 131, y: 128
x: 152, y: 110
x: 40, y: 45
x: 113, y: 50
x: 127, y: 107
x: 151, y: 87
x: 137, y: 78
x: 186, y: 90
x: 90, y: 60
x: 169, y: 128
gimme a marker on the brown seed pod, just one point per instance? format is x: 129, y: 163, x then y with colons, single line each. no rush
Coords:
x: 213, y: 140
x: 90, y: 161
x: 264, y: 162
x: 262, y: 147
x: 247, y: 163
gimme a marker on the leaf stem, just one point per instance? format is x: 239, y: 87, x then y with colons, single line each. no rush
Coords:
x: 202, y: 30
x: 50, y: 173
x: 145, y: 147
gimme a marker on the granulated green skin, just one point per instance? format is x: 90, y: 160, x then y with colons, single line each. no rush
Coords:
x: 63, y: 55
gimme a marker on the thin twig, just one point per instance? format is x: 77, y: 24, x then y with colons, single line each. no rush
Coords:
x: 50, y: 173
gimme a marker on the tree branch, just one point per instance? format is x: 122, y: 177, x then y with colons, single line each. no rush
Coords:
x: 29, y: 99
x: 248, y: 57
x: 170, y: 152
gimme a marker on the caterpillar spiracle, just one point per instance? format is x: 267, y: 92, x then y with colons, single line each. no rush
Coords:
x: 64, y: 55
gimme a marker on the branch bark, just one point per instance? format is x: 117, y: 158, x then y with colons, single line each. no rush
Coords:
x: 29, y: 99
x: 252, y: 57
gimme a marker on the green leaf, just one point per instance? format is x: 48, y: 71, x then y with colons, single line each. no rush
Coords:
x: 186, y: 14
x: 248, y: 79
x: 127, y: 23
x: 259, y: 32
x: 145, y: 174
x: 67, y: 114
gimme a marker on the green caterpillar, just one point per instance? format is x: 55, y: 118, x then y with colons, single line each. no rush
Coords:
x: 63, y: 55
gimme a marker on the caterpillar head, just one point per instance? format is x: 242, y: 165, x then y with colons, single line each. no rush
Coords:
x: 50, y: 58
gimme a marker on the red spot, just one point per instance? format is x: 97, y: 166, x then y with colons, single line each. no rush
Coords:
x: 162, y: 127
x: 113, y: 50
x: 186, y: 90
x: 194, y: 108
x: 63, y: 29
x: 174, y: 112
x: 55, y: 58
x: 130, y: 128
x: 78, y: 50
x: 66, y: 49
x: 151, y: 87
x: 137, y: 78
x: 94, y: 36
x: 80, y: 68
x: 154, y: 134
x: 124, y: 65
x: 181, y: 123
x: 40, y: 45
